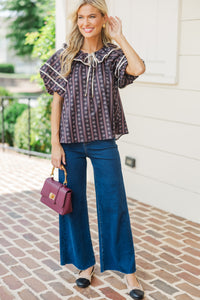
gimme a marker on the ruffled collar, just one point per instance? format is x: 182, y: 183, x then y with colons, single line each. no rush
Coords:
x: 100, y: 54
x: 92, y: 60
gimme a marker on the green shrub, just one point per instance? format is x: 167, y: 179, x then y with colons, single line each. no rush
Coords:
x: 5, y: 92
x: 7, y: 68
x: 21, y: 131
x: 40, y: 127
x: 11, y: 113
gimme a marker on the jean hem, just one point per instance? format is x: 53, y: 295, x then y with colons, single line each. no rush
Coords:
x: 76, y: 265
x: 118, y: 270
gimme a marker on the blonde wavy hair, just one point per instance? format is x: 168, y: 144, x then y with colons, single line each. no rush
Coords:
x: 75, y: 38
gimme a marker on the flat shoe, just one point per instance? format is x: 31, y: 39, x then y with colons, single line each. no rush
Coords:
x: 84, y: 281
x: 135, y: 292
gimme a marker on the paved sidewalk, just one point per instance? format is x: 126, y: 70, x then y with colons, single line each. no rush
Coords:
x: 167, y: 247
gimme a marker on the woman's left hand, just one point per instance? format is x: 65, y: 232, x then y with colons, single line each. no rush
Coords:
x: 115, y: 27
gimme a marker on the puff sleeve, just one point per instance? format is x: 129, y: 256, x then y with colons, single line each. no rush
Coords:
x: 50, y: 72
x: 122, y: 79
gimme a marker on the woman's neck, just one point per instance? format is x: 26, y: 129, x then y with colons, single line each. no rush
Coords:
x: 90, y: 46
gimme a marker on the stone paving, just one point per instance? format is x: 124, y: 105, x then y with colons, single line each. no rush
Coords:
x: 167, y: 246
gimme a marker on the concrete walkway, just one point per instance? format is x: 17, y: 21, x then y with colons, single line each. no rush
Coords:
x: 19, y: 85
x: 167, y: 247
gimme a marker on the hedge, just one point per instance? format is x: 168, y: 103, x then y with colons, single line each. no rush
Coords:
x: 7, y: 68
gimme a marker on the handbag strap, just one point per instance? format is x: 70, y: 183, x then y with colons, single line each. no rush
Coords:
x: 65, y: 172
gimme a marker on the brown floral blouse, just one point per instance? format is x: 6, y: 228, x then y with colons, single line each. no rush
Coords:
x: 92, y: 108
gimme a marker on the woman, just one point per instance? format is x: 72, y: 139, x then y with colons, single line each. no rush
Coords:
x: 87, y: 117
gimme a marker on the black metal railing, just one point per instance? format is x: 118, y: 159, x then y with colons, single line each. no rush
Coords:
x: 3, y: 145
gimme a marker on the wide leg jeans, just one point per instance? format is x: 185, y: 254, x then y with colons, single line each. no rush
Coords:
x: 116, y: 246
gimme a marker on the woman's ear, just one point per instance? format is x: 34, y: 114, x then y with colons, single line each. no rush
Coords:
x: 106, y: 18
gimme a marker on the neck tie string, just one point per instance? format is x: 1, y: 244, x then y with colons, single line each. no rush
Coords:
x: 93, y: 61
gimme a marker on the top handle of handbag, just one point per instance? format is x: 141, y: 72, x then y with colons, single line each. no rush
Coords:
x: 63, y: 168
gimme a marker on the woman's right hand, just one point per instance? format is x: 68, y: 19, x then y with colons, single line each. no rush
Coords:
x: 57, y: 156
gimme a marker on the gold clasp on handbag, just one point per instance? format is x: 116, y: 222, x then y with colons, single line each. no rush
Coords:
x: 63, y: 168
x: 52, y: 196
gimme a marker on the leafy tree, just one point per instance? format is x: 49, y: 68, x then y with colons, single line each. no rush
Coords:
x: 26, y: 16
x: 43, y: 41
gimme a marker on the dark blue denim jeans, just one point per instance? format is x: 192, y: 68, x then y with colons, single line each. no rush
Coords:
x: 115, y: 236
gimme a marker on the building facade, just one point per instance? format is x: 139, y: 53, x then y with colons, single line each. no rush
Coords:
x: 162, y: 106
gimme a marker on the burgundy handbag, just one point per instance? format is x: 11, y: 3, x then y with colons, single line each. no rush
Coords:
x: 57, y: 195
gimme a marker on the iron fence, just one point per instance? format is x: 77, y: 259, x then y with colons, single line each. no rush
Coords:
x: 29, y: 101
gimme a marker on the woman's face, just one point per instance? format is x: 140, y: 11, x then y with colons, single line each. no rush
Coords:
x: 90, y: 21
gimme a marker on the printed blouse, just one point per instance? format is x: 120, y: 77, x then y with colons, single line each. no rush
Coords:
x: 92, y: 108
